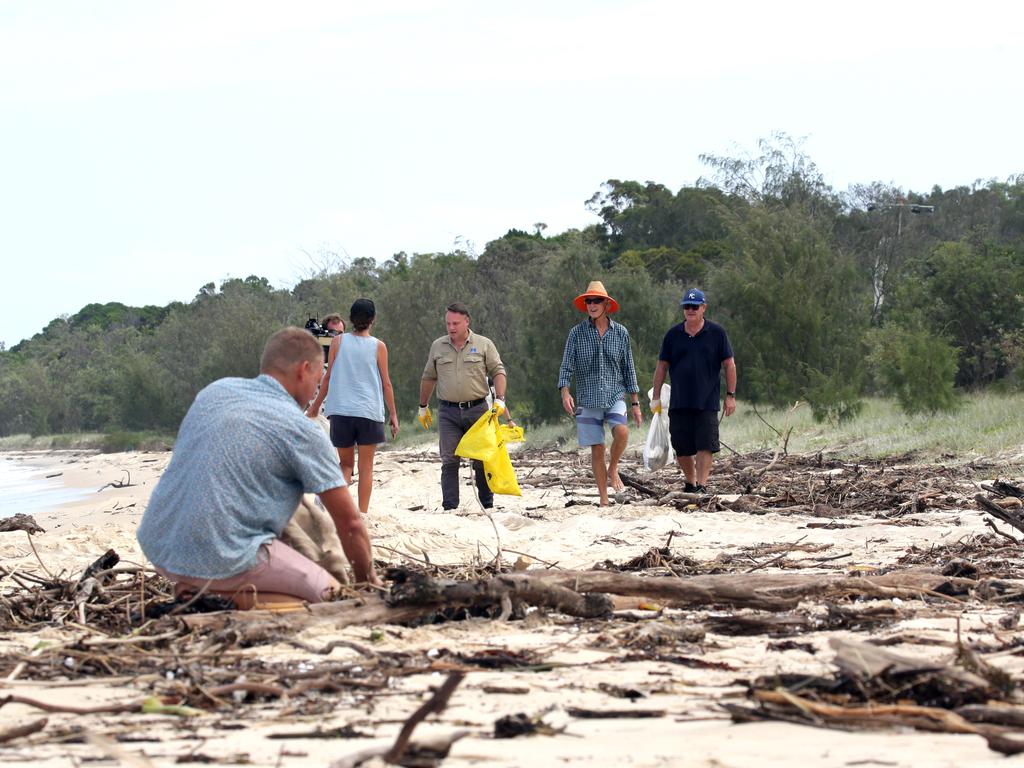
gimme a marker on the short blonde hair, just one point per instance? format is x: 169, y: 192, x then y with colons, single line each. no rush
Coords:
x: 288, y: 347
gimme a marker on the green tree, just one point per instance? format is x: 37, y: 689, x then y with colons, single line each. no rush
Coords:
x: 970, y: 295
x: 916, y: 366
x: 795, y: 311
x: 410, y: 315
x: 779, y: 174
x: 647, y: 216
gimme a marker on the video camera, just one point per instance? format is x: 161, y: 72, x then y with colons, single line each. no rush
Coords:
x: 314, y: 327
x: 323, y: 335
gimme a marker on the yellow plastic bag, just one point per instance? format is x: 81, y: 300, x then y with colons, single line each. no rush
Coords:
x: 501, y: 477
x: 481, y: 440
x: 486, y: 441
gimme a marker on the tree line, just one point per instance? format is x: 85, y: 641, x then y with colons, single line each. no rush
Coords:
x: 827, y: 296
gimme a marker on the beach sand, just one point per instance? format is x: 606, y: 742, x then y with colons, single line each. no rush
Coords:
x: 584, y: 658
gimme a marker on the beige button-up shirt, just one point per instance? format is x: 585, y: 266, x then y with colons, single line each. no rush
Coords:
x: 462, y: 375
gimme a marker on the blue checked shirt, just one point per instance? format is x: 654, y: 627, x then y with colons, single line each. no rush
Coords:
x: 244, y: 456
x: 602, y: 365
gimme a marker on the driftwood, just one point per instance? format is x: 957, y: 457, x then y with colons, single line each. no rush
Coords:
x: 135, y: 705
x: 864, y: 661
x: 342, y: 613
x: 411, y: 588
x: 20, y: 522
x: 404, y: 751
x: 1008, y: 516
x: 771, y: 592
x: 125, y: 482
x: 877, y: 688
x: 1003, y: 488
x: 778, y: 704
x: 104, y: 562
x: 25, y: 729
x: 427, y: 752
x: 415, y: 596
x: 584, y: 594
x: 435, y: 705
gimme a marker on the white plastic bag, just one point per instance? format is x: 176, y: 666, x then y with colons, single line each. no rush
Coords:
x: 658, y: 448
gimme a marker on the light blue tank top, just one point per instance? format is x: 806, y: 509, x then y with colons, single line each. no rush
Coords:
x: 355, y: 388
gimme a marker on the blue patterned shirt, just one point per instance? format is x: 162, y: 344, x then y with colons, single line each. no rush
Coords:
x: 244, y: 456
x: 602, y: 365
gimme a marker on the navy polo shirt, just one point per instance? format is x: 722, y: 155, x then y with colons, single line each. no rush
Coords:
x: 695, y: 365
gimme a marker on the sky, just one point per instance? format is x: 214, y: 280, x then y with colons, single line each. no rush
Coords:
x: 149, y: 148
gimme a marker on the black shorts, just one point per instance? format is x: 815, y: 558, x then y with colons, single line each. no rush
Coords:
x: 347, y: 431
x: 693, y: 431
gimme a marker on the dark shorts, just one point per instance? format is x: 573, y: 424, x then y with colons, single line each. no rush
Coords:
x: 693, y: 431
x: 347, y: 431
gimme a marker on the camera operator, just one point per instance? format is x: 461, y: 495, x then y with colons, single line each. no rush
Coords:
x: 334, y: 324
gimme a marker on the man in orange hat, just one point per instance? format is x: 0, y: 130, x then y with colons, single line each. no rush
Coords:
x: 598, y: 355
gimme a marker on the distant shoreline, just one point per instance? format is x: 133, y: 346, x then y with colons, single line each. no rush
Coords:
x: 33, y: 482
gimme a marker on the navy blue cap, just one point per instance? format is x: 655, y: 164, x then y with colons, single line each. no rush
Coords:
x: 693, y: 296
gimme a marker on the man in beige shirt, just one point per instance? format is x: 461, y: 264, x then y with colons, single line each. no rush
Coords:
x: 459, y: 365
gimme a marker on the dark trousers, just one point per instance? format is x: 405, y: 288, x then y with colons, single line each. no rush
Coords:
x: 453, y: 422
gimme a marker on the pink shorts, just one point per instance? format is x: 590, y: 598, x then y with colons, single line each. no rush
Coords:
x: 279, y: 568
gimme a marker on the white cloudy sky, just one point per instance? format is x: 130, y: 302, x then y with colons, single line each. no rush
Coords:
x: 147, y: 148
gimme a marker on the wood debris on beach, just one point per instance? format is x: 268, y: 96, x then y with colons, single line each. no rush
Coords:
x: 662, y: 619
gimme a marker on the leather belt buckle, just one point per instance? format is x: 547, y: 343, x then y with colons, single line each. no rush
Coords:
x: 464, y: 404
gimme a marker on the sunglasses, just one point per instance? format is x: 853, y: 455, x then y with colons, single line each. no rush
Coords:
x: 593, y: 300
x: 691, y: 307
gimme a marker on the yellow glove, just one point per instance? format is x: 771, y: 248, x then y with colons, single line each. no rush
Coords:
x: 424, y: 416
x: 655, y: 406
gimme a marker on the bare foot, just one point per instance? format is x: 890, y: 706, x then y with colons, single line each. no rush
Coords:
x: 616, y: 481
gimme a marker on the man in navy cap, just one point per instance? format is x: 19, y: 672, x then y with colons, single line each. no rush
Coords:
x: 694, y: 353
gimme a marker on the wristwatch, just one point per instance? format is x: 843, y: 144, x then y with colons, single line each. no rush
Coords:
x: 730, y: 394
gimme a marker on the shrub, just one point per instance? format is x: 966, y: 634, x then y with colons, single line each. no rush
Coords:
x: 916, y: 367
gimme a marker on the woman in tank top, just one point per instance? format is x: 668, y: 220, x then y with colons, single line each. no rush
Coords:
x: 354, y: 392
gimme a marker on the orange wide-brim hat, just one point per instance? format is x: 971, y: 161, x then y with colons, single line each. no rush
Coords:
x: 596, y: 288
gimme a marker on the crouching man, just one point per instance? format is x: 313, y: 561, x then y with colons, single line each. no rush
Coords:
x: 244, y: 456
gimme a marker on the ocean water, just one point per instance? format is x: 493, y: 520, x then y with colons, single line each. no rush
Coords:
x: 24, y: 489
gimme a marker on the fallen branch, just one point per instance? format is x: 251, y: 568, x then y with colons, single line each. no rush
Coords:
x: 888, y: 715
x: 412, y: 588
x: 426, y: 752
x: 131, y: 706
x: 585, y: 594
x: 1007, y: 516
x: 124, y: 483
x: 27, y: 729
x: 435, y: 705
x: 771, y: 592
x: 20, y: 522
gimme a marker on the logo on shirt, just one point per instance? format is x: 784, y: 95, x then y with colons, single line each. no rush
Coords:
x: 472, y: 349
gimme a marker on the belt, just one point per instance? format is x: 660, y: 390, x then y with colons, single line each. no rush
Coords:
x: 464, y: 404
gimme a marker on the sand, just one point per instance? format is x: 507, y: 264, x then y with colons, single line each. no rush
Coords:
x: 406, y: 520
